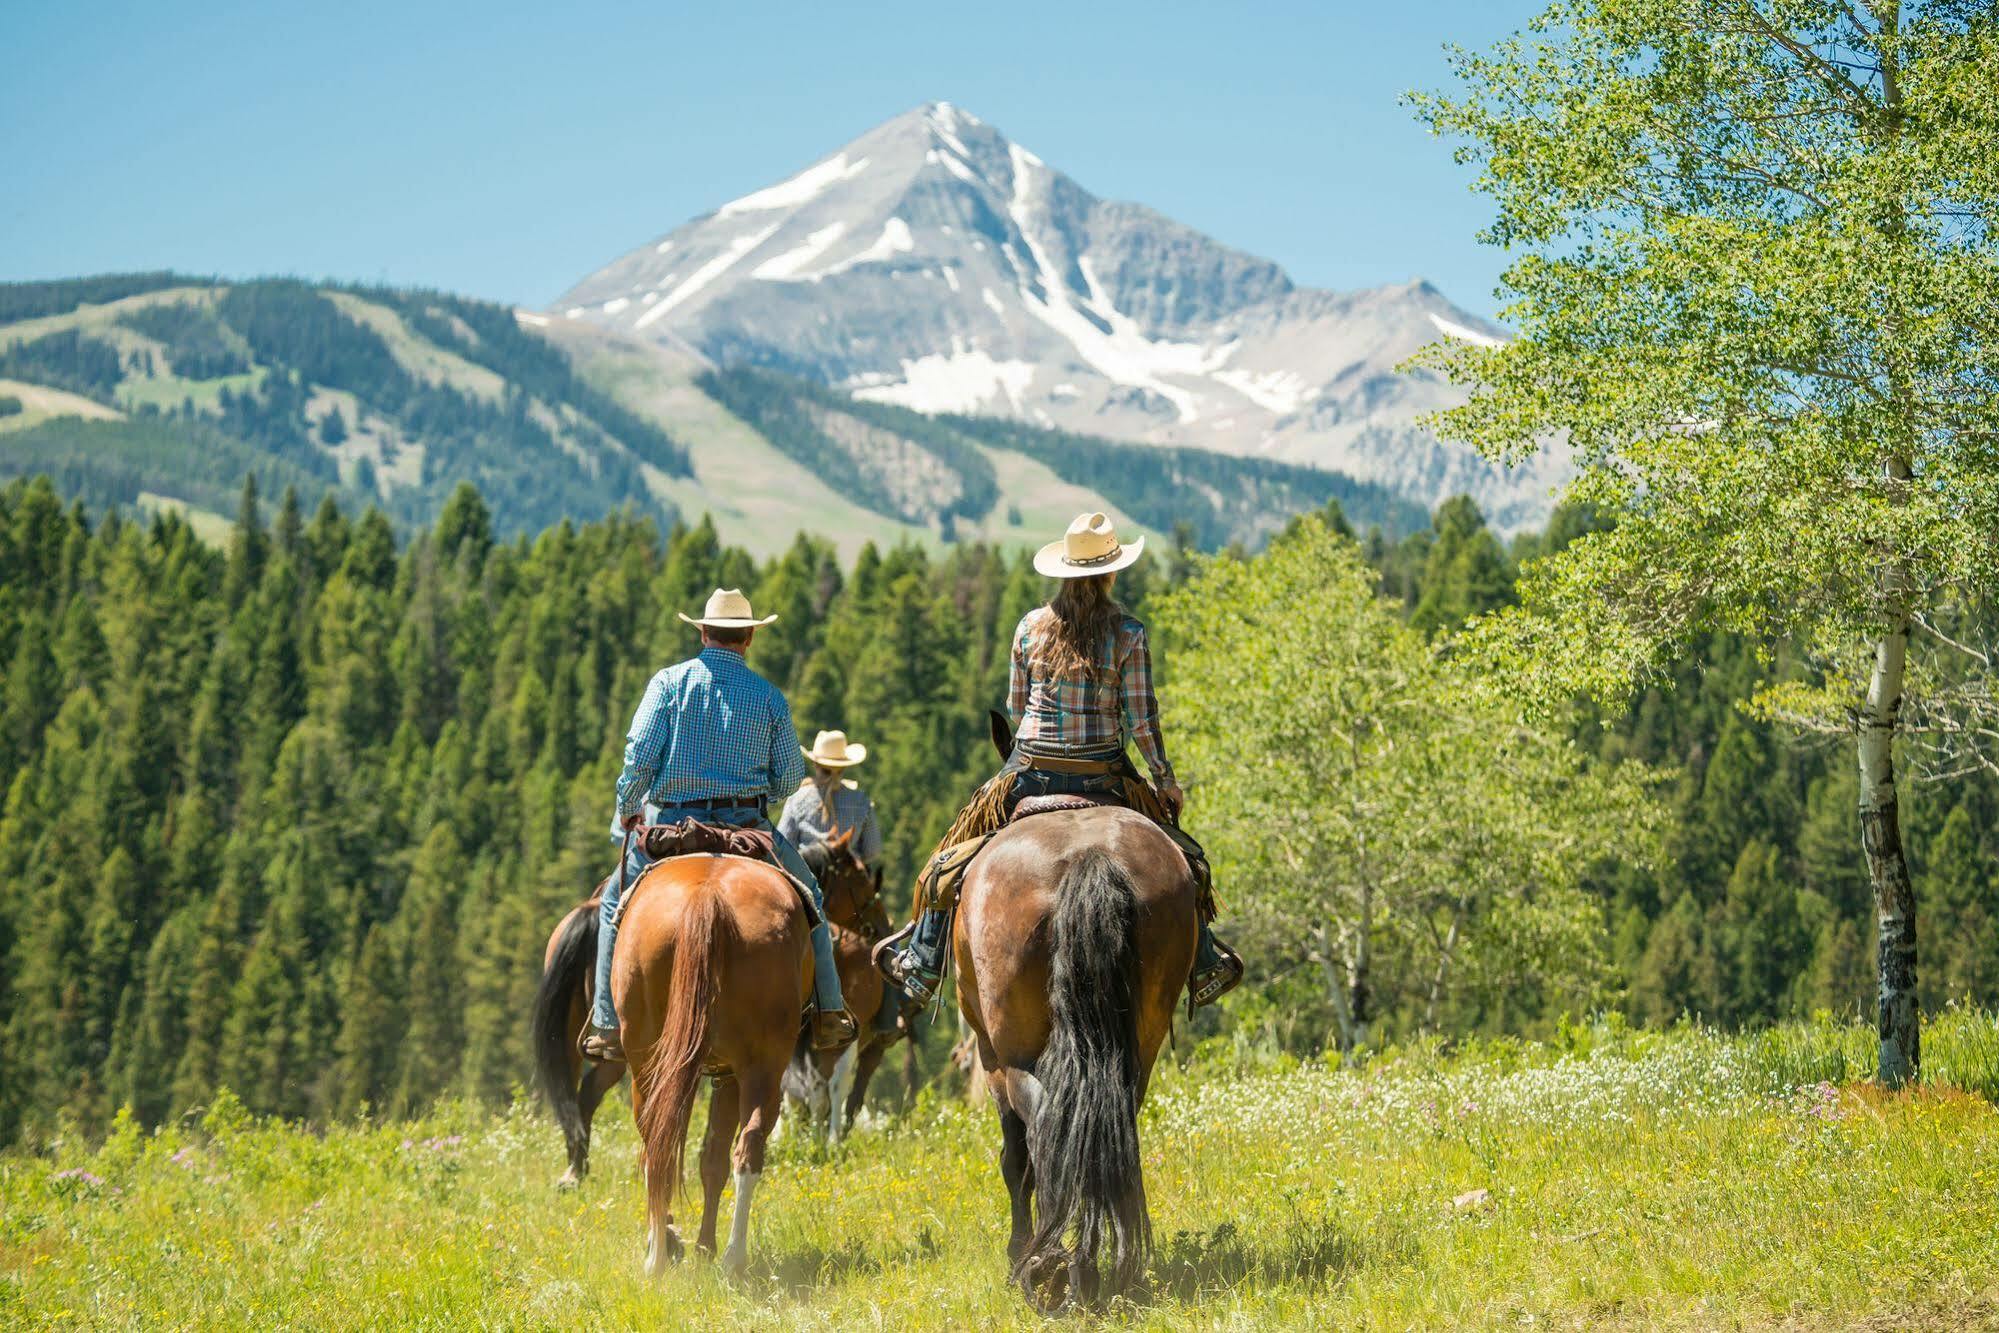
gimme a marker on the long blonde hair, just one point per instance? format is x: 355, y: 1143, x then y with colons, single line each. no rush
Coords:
x: 1082, y: 617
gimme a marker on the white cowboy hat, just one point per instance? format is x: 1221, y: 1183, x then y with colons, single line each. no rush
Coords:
x: 1089, y: 547
x: 833, y: 750
x: 727, y: 609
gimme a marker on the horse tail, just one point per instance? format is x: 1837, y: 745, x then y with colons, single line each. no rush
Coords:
x: 674, y: 1067
x: 571, y: 959
x: 1082, y: 1137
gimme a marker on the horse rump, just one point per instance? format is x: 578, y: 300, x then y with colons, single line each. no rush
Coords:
x: 1082, y: 1136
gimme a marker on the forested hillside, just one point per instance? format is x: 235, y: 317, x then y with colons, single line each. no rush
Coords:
x: 374, y: 395
x: 295, y: 815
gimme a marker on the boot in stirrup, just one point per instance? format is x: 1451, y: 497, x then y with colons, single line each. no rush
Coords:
x: 908, y: 966
x: 604, y: 1045
x: 832, y: 1029
x: 1218, y: 969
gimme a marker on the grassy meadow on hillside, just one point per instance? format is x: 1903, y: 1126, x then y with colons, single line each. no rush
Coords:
x: 1614, y: 1177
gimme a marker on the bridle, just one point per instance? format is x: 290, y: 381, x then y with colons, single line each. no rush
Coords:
x: 843, y: 871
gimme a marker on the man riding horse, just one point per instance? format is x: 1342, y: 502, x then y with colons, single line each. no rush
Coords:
x: 1079, y: 692
x: 712, y: 741
x: 832, y: 804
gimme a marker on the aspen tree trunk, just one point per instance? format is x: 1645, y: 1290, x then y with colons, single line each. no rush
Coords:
x: 1333, y: 966
x: 1887, y: 867
x: 1360, y: 988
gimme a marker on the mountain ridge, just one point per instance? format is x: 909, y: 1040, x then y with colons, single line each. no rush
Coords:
x: 934, y: 263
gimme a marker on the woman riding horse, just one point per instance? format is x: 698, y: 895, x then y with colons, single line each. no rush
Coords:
x: 1079, y: 692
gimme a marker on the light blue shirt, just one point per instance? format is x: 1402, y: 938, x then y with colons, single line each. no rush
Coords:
x: 814, y: 814
x: 709, y: 727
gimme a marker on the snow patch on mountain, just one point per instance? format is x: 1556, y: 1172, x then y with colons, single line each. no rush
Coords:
x: 706, y: 274
x: 788, y: 266
x: 1279, y: 391
x: 894, y: 240
x: 802, y: 188
x: 963, y: 380
x: 1452, y: 329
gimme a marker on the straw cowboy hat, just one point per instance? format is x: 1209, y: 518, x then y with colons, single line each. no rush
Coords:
x: 727, y: 609
x: 832, y: 749
x: 1089, y: 547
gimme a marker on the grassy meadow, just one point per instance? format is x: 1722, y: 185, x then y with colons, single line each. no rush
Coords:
x: 1682, y: 1179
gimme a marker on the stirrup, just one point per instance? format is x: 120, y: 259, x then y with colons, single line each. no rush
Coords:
x: 1217, y: 981
x: 604, y: 1045
x: 920, y: 984
x: 832, y: 1029
x: 891, y: 959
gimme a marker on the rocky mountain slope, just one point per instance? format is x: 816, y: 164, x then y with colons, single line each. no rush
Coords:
x: 936, y: 265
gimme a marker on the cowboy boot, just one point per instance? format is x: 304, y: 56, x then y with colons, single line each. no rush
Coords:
x: 1218, y: 969
x: 604, y: 1045
x: 832, y: 1029
x: 916, y: 968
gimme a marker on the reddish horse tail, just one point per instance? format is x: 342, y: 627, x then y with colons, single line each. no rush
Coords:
x: 1083, y: 1136
x: 673, y: 1070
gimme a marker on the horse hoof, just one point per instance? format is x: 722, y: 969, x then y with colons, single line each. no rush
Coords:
x: 734, y: 1262
x: 658, y: 1257
x: 570, y: 1180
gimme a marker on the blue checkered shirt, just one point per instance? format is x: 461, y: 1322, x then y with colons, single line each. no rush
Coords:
x: 709, y: 727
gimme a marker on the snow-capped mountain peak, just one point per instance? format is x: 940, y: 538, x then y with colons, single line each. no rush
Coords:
x: 934, y: 263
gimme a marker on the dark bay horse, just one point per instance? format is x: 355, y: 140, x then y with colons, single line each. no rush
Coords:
x: 711, y: 972
x: 832, y: 1086
x: 1074, y: 939
x: 572, y: 1086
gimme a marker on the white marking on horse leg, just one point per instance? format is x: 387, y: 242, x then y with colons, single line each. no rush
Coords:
x: 838, y: 1087
x: 1024, y: 1090
x: 737, y: 1256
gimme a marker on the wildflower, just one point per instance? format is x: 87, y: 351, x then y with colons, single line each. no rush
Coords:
x: 78, y: 1173
x: 184, y: 1159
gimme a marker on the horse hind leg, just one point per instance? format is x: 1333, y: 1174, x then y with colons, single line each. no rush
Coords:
x: 865, y: 1066
x: 598, y: 1080
x: 715, y: 1158
x: 1017, y: 1169
x: 762, y: 1100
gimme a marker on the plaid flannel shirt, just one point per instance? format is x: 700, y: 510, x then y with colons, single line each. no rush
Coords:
x: 1095, y: 716
x: 709, y: 727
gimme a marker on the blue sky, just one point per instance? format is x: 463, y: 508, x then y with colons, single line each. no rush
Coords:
x: 504, y: 150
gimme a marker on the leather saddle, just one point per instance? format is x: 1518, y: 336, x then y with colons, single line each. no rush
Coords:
x: 691, y: 837
x: 1029, y: 806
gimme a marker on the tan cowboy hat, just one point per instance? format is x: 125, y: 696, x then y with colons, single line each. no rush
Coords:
x: 727, y: 609
x: 833, y: 750
x: 1089, y: 547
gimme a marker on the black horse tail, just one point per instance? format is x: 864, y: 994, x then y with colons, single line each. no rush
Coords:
x: 1082, y: 1137
x: 563, y: 984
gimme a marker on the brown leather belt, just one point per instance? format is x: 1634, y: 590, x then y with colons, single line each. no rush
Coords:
x: 1084, y: 768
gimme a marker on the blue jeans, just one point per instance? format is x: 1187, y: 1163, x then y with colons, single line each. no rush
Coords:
x: 825, y: 971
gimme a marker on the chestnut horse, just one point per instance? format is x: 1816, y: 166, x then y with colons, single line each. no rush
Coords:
x: 1074, y: 939
x: 711, y: 972
x: 832, y: 1086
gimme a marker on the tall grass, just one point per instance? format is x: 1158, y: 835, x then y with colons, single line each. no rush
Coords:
x: 1960, y: 1050
x: 1676, y: 1179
